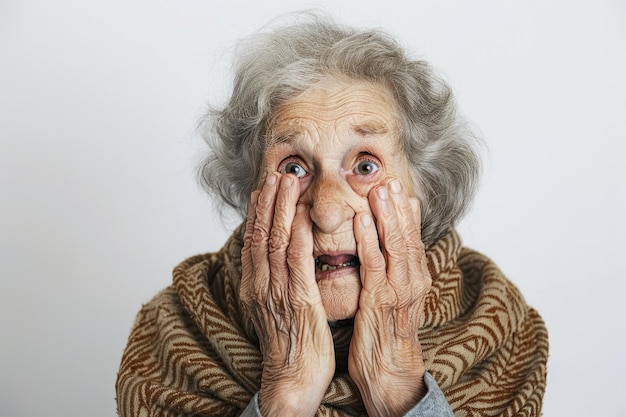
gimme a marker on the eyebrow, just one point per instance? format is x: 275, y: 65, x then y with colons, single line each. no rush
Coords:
x: 290, y: 135
x: 370, y: 127
x: 284, y: 136
x: 366, y: 128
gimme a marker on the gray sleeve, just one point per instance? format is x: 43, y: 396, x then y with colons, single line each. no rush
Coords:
x: 434, y: 404
x: 252, y: 410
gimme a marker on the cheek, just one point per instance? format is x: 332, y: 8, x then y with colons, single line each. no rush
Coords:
x: 362, y: 188
x: 304, y: 184
x: 363, y: 184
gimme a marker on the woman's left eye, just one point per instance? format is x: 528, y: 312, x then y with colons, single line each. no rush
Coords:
x: 365, y: 167
x: 294, y: 168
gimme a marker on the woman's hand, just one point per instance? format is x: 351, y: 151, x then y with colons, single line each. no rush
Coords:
x: 278, y: 288
x: 385, y: 358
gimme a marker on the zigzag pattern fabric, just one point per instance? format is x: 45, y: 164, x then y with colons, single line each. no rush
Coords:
x: 193, y: 352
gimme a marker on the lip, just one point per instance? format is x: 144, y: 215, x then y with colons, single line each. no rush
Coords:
x: 318, y: 253
x: 337, y: 273
x: 340, y: 257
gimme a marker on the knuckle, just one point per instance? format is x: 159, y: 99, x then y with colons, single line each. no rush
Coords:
x: 297, y: 253
x: 390, y: 231
x: 374, y: 262
x: 415, y: 247
x: 265, y: 199
x: 259, y: 234
x: 247, y: 244
x: 396, y: 249
x: 397, y: 259
x: 278, y: 240
x: 423, y: 285
x: 249, y: 227
x: 247, y: 235
x: 413, y: 238
x: 394, y: 241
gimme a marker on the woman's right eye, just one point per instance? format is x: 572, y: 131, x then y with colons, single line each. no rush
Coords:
x: 293, y: 168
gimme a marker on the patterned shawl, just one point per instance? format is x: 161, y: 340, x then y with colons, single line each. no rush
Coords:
x: 193, y: 352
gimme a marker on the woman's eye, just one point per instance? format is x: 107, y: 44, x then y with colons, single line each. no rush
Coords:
x: 294, y: 168
x: 365, y: 167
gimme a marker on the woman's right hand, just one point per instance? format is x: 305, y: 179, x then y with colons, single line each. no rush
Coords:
x: 278, y: 288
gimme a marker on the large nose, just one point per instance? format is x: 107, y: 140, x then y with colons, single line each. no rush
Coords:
x: 329, y: 198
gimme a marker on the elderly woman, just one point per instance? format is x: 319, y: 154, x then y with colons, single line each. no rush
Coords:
x: 346, y: 291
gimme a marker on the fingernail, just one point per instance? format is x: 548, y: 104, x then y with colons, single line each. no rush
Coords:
x: 366, y: 220
x: 414, y: 204
x: 254, y: 197
x: 395, y: 186
x: 300, y: 208
x: 287, y: 181
x: 271, y: 179
x: 382, y: 193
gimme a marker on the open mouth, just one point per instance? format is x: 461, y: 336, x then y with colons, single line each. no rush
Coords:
x: 326, y: 263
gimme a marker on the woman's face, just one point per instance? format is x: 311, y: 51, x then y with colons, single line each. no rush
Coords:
x: 340, y: 139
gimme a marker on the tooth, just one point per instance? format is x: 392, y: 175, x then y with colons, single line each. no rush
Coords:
x: 326, y: 267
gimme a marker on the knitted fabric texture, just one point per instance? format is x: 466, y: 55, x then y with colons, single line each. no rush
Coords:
x: 193, y: 352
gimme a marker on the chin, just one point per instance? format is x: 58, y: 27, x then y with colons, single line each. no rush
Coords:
x: 340, y: 296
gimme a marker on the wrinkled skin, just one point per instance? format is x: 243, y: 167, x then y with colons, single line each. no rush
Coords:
x: 335, y: 188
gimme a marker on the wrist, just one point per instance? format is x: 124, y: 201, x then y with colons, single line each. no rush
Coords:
x: 393, y: 395
x: 276, y: 404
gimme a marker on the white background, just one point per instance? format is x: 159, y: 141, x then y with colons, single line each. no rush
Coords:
x: 98, y: 201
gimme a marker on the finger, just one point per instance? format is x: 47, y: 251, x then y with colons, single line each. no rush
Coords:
x: 390, y: 236
x: 280, y: 236
x: 250, y: 220
x: 303, y: 288
x: 416, y: 208
x: 409, y: 224
x: 402, y: 204
x: 422, y: 265
x: 264, y: 214
x: 245, y: 289
x: 373, y: 267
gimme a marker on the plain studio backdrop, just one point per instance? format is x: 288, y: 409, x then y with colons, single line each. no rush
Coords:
x: 98, y: 107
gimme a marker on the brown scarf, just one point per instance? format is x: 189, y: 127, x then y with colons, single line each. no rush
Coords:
x: 193, y: 352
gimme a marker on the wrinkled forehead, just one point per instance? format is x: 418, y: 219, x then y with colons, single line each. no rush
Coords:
x: 361, y: 108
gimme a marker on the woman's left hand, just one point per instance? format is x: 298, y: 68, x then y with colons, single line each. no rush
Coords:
x: 385, y: 359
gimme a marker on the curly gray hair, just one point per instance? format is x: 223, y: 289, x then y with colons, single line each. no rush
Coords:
x: 278, y: 65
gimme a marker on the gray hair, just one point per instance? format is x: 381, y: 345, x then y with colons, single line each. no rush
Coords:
x: 278, y: 65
